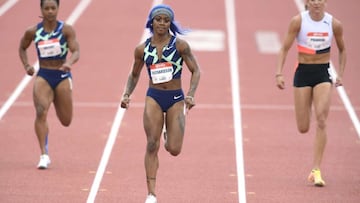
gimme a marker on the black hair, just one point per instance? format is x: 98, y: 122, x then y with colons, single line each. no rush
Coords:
x: 42, y: 2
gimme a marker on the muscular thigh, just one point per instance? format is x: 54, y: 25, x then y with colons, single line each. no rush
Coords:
x: 63, y: 98
x: 43, y: 95
x: 322, y: 98
x: 175, y: 119
x: 303, y: 100
x: 153, y: 118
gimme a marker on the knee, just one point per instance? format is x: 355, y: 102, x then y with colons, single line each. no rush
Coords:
x: 321, y: 124
x: 65, y: 122
x: 303, y: 129
x: 41, y: 112
x: 321, y: 120
x: 174, y: 152
x: 152, y: 146
x: 173, y: 149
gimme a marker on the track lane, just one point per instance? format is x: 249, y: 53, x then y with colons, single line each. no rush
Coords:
x: 76, y: 151
x: 278, y: 158
x: 71, y: 150
x: 207, y: 162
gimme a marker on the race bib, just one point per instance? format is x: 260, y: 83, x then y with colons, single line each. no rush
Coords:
x: 161, y: 72
x: 49, y: 48
x: 318, y: 40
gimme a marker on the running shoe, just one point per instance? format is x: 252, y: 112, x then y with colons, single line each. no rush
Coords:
x: 44, y: 162
x: 150, y: 199
x: 315, y: 178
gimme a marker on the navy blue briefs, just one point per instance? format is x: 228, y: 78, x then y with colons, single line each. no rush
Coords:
x: 53, y: 77
x: 165, y: 98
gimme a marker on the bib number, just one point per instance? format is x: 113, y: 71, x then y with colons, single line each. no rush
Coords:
x: 161, y: 72
x: 318, y: 40
x: 49, y: 48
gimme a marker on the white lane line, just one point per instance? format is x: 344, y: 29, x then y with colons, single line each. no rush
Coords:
x: 80, y: 8
x: 111, y: 140
x: 235, y: 82
x: 6, y: 6
x: 206, y: 106
x: 3, y: 9
x: 21, y: 86
x: 341, y: 90
x: 106, y: 155
x: 349, y: 107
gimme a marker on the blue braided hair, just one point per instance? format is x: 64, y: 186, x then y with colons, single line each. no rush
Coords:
x: 164, y: 9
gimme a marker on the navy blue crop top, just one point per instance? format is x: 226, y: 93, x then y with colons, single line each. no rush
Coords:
x: 51, y: 45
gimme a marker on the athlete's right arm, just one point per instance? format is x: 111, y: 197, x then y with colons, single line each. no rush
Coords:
x: 293, y: 30
x: 133, y: 76
x: 25, y: 42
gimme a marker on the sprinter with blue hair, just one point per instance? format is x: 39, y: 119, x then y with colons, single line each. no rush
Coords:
x: 165, y: 104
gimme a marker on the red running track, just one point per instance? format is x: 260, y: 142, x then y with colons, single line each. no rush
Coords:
x: 277, y: 158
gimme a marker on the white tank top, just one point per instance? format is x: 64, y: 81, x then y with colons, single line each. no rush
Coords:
x: 315, y: 36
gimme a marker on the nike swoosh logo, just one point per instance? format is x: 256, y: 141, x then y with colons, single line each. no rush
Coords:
x: 177, y: 97
x: 64, y: 75
x: 168, y: 48
x: 54, y: 33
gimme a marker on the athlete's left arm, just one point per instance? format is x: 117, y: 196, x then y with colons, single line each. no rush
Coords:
x: 339, y: 39
x: 193, y: 67
x: 73, y: 46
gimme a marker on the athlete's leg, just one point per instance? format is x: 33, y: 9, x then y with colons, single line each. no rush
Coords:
x: 303, y: 99
x: 43, y: 96
x: 63, y: 101
x: 153, y: 122
x: 175, y: 128
x: 322, y: 100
